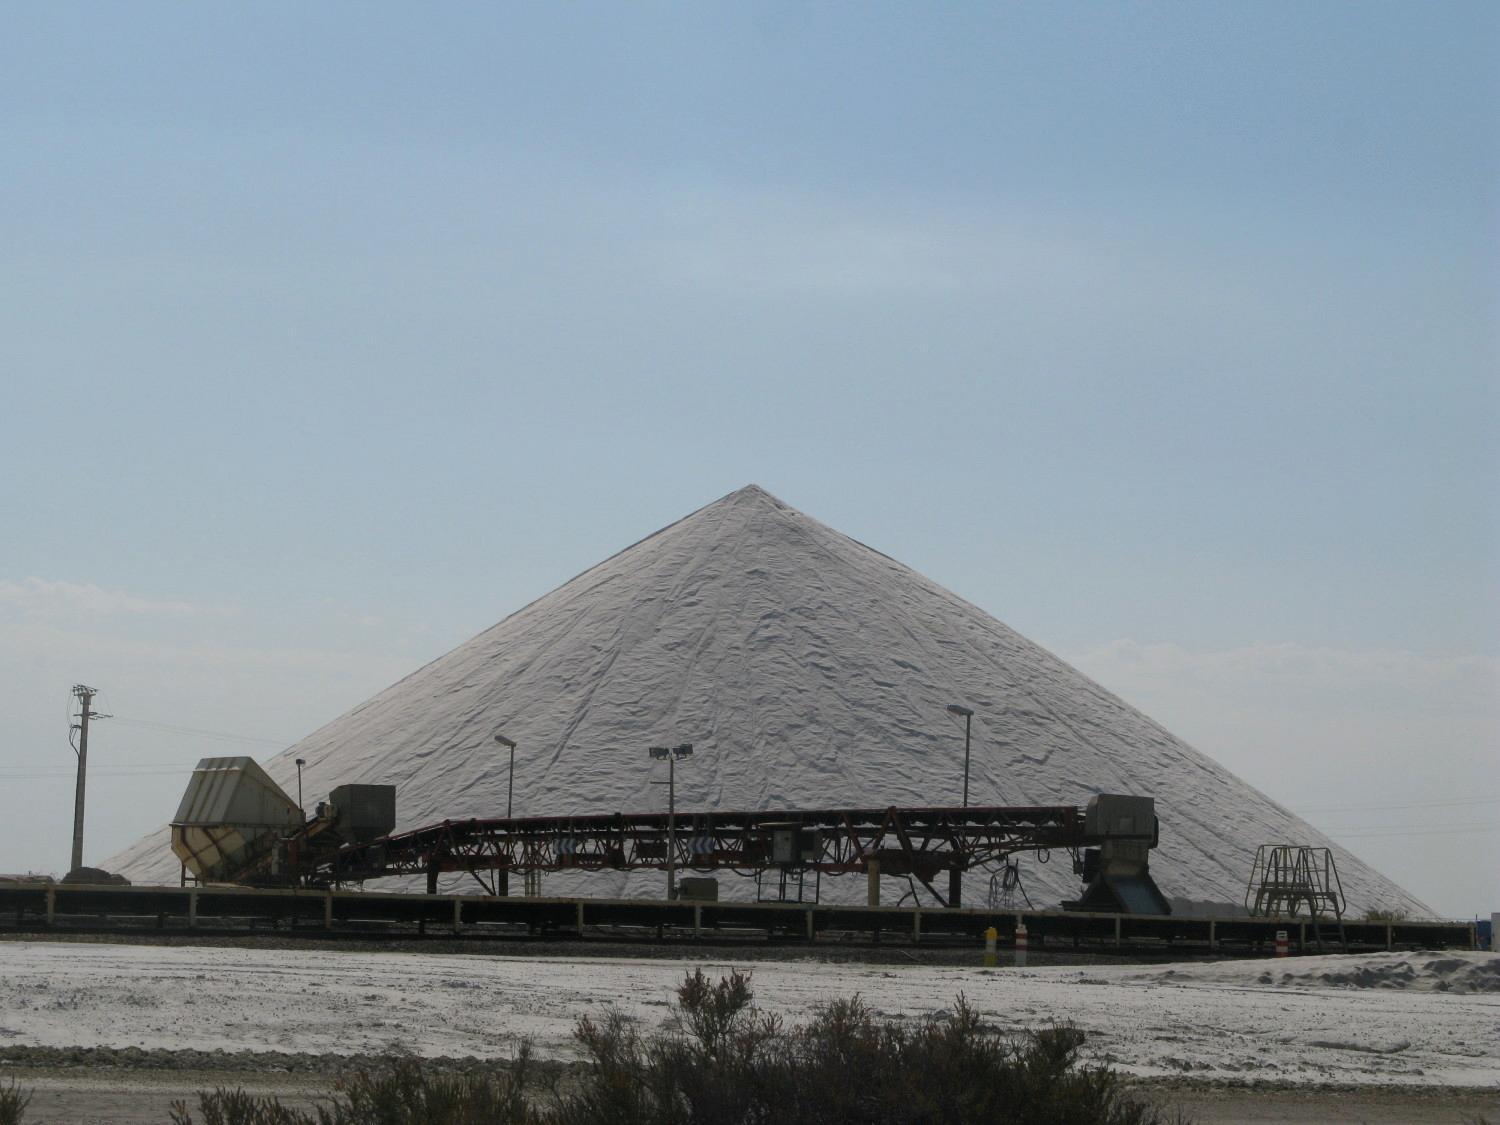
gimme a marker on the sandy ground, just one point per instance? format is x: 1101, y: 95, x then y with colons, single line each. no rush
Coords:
x: 1379, y: 1038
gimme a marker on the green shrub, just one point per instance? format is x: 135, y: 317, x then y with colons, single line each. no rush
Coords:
x: 13, y: 1103
x: 720, y: 1061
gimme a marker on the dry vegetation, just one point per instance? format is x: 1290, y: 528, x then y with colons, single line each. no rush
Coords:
x: 13, y: 1103
x: 722, y: 1062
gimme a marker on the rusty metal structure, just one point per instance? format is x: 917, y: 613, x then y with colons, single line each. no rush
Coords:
x: 1286, y: 879
x: 235, y: 826
x: 919, y: 843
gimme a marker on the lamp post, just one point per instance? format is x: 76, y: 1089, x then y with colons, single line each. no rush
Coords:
x: 510, y: 786
x: 671, y: 754
x: 956, y: 873
x: 300, y: 809
x: 968, y: 716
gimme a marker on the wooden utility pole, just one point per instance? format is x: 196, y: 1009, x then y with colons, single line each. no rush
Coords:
x: 85, y: 696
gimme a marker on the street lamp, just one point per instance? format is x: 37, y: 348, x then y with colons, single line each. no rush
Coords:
x: 300, y: 763
x: 671, y: 754
x: 968, y: 716
x: 510, y: 786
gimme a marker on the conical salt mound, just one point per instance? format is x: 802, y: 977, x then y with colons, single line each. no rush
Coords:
x: 810, y: 671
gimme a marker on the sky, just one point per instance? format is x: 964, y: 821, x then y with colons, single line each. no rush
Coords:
x: 1168, y: 334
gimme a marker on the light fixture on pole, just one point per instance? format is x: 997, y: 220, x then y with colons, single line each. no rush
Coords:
x: 300, y: 763
x: 671, y: 755
x: 968, y: 717
x: 510, y: 786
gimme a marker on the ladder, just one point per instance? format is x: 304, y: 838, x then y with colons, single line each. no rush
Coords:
x: 1285, y: 878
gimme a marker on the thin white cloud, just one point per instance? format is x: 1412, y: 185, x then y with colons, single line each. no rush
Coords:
x: 832, y: 247
x: 36, y: 640
x: 46, y: 599
x: 1471, y: 681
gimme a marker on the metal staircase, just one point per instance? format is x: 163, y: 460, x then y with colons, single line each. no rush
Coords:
x: 1285, y: 879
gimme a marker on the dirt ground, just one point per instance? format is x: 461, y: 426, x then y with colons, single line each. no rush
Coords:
x: 1389, y: 1105
x: 137, y: 1097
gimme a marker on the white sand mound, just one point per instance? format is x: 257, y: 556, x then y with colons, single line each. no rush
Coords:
x: 1462, y: 973
x: 1476, y: 972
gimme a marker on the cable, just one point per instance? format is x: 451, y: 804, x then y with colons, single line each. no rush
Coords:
x: 1407, y: 805
x: 219, y: 734
x: 43, y: 775
x: 119, y: 768
x: 1454, y: 831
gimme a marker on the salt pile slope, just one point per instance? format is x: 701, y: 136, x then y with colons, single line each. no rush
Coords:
x: 810, y: 671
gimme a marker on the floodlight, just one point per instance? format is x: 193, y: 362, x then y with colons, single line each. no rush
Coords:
x: 510, y: 782
x: 671, y: 755
x: 957, y: 709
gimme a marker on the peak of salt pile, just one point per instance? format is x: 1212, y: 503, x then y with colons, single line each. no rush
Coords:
x: 810, y: 671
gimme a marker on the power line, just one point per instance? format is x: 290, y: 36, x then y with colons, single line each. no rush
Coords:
x: 199, y: 732
x: 17, y: 774
x: 1404, y: 805
x: 1457, y: 830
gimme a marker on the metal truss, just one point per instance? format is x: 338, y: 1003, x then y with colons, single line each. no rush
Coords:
x: 916, y: 842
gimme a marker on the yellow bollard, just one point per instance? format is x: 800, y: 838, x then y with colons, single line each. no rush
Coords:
x: 991, y: 935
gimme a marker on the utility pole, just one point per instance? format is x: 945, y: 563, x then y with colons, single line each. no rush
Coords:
x: 85, y: 696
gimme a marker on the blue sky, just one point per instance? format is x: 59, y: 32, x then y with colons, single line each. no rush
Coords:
x: 1167, y: 334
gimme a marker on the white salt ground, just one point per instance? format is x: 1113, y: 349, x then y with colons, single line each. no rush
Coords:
x: 1429, y: 1019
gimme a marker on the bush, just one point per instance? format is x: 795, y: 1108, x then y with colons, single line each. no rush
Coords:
x: 13, y: 1103
x: 722, y: 1062
x: 235, y: 1107
x: 400, y: 1093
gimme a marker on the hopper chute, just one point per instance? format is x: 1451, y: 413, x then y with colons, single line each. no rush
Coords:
x: 231, y: 814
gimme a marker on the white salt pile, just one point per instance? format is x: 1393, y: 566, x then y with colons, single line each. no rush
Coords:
x: 810, y: 671
x: 1460, y: 973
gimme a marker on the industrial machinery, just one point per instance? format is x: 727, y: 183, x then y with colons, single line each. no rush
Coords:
x: 230, y: 819
x: 1116, y: 872
x: 236, y: 825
